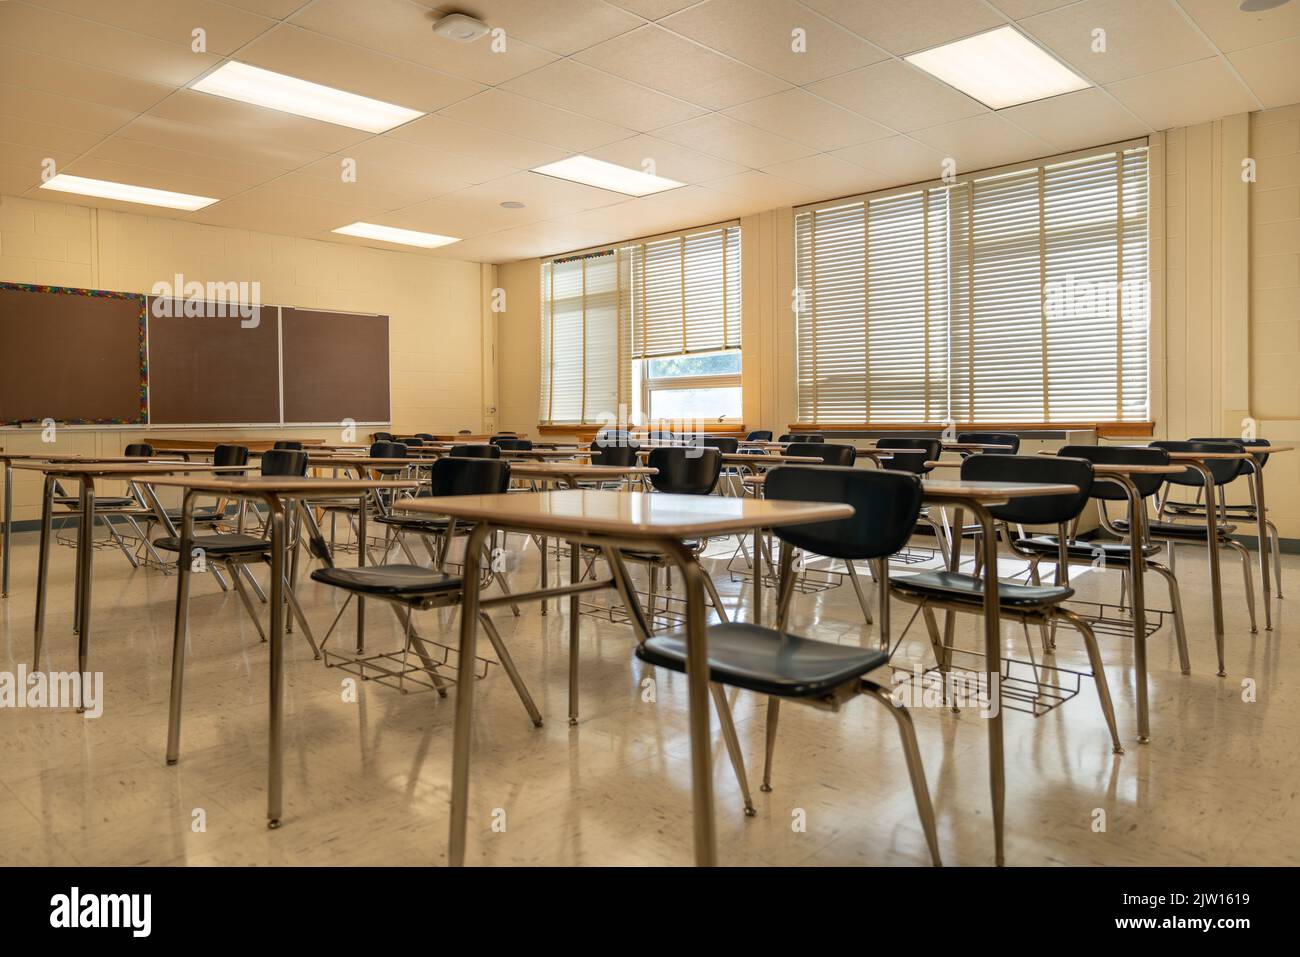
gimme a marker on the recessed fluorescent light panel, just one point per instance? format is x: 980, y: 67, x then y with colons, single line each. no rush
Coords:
x: 598, y: 173
x: 391, y: 234
x: 125, y: 192
x: 288, y: 94
x: 999, y: 68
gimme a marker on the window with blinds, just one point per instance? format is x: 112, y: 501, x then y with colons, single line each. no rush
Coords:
x: 1017, y: 298
x: 604, y: 310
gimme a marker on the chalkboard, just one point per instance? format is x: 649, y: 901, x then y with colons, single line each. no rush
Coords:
x: 211, y: 366
x: 72, y: 355
x: 335, y: 367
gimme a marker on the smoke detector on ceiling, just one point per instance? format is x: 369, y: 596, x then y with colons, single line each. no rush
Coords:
x: 460, y: 26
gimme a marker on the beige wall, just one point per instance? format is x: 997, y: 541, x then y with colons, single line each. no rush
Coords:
x: 441, y: 349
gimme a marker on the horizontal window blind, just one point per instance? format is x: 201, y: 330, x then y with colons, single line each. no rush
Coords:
x: 1015, y: 298
x: 604, y: 310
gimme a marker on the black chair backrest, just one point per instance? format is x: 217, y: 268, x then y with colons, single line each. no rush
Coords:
x: 1147, y: 485
x: 1260, y: 457
x: 229, y: 455
x: 622, y: 455
x: 413, y: 442
x: 608, y: 437
x: 512, y: 445
x: 139, y: 450
x: 786, y: 438
x: 388, y: 450
x: 289, y: 444
x: 807, y: 437
x: 685, y: 471
x: 759, y: 435
x: 1222, y: 470
x: 1037, y: 509
x: 382, y: 436
x: 885, y: 509
x: 910, y: 461
x: 724, y: 444
x: 488, y: 451
x: 284, y: 462
x: 662, y: 436
x: 830, y: 453
x: 468, y: 476
x: 424, y: 436
x: 993, y: 438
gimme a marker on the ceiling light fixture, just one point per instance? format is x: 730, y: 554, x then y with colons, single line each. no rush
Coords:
x: 460, y: 26
x: 288, y: 94
x: 999, y: 68
x: 1259, y: 6
x: 391, y: 234
x: 598, y: 173
x: 126, y: 193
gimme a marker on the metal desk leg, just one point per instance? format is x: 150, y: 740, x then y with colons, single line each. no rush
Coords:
x: 184, y: 560
x: 361, y: 561
x: 7, y: 544
x: 954, y: 565
x: 1212, y: 544
x: 758, y: 576
x: 465, y: 697
x: 43, y: 567
x: 697, y: 674
x: 1137, y: 576
x: 85, y: 572
x: 575, y: 608
x: 275, y: 770
x: 993, y: 653
x: 542, y: 550
x: 1261, y: 526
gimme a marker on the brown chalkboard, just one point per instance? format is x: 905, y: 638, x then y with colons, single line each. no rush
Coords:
x: 335, y: 366
x: 209, y: 365
x: 72, y: 355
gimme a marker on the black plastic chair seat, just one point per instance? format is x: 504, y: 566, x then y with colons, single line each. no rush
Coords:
x: 106, y: 501
x: 764, y: 660
x: 637, y: 555
x: 233, y: 543
x: 1047, y: 545
x: 393, y: 581
x: 1179, y: 530
x: 210, y: 515
x: 958, y: 586
x: 417, y: 522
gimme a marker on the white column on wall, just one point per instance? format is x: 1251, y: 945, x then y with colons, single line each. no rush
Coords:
x: 1234, y: 255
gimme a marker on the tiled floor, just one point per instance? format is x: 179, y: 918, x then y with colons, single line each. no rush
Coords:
x: 366, y: 781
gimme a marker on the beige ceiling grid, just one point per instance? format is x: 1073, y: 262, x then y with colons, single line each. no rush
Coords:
x: 711, y: 91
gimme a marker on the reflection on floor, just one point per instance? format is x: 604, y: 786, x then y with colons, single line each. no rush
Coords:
x: 366, y: 781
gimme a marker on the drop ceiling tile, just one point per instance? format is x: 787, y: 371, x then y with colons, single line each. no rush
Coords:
x: 422, y: 161
x: 43, y: 135
x: 1077, y: 120
x: 226, y: 28
x: 560, y: 26
x: 33, y: 157
x: 15, y: 181
x: 65, y: 78
x: 664, y: 61
x: 345, y: 66
x: 93, y: 44
x: 1272, y: 71
x: 63, y: 111
x: 983, y: 141
x: 266, y: 149
x: 720, y: 135
x: 654, y: 9
x: 904, y: 26
x: 546, y: 196
x: 829, y: 174
x: 762, y: 34
x: 1141, y: 36
x: 531, y: 241
x: 510, y: 113
x: 1184, y: 95
x: 1020, y: 9
x: 275, y: 9
x: 899, y: 159
x: 667, y: 159
x: 1230, y: 29
x: 458, y: 214
x: 466, y: 139
x: 702, y: 205
x: 174, y: 180
x: 576, y: 86
x: 208, y: 164
x: 268, y: 210
x: 898, y: 95
x: 405, y: 30
x: 235, y: 120
x: 755, y: 190
x: 633, y: 219
x: 806, y: 119
x: 374, y: 187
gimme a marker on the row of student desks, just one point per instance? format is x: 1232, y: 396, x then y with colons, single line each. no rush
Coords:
x: 644, y: 521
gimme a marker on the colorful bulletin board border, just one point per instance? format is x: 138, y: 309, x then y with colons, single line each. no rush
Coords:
x: 143, y: 328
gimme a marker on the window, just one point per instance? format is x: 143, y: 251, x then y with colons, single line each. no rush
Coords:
x: 657, y: 313
x: 1015, y: 298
